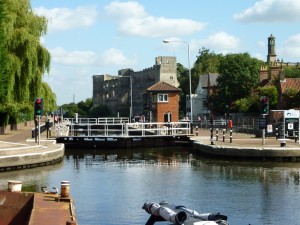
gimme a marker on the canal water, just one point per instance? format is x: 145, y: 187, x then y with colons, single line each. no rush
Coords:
x: 110, y: 187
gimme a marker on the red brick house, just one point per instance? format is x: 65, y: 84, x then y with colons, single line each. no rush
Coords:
x: 161, y: 103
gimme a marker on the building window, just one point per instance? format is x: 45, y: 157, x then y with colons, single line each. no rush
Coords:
x: 162, y: 97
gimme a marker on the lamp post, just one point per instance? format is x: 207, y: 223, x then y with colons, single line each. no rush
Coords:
x: 190, y: 76
x: 130, y: 111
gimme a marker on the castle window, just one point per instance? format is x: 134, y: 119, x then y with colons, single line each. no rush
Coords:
x: 162, y: 97
x: 171, y: 78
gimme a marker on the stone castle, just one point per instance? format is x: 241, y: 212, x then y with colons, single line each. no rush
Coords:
x: 122, y: 93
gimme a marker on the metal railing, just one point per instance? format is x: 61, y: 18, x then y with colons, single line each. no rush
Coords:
x: 129, y: 129
x: 107, y: 120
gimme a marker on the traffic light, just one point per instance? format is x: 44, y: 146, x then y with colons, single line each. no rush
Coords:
x: 38, y: 106
x: 264, y: 105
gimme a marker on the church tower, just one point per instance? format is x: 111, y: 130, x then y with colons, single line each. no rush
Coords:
x: 271, y: 49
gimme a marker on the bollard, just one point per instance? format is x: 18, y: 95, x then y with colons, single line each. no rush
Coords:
x: 211, y: 133
x: 217, y: 134
x: 277, y: 133
x: 65, y: 189
x: 224, y: 135
x: 230, y: 136
x: 196, y: 130
x: 14, y: 186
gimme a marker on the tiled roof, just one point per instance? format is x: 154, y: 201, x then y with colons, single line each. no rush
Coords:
x: 211, y: 76
x: 163, y: 87
x: 293, y: 83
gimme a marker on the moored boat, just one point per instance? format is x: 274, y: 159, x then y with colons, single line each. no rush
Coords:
x: 178, y: 214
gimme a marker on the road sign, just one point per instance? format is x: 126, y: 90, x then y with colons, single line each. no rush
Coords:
x: 291, y: 113
x: 262, y: 123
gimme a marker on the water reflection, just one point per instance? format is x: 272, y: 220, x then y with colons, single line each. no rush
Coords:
x: 110, y: 187
x: 32, y: 179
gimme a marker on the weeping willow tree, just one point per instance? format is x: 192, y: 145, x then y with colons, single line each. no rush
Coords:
x: 49, y: 97
x: 23, y: 60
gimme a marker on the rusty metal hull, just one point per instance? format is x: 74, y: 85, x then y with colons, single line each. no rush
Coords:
x: 26, y: 208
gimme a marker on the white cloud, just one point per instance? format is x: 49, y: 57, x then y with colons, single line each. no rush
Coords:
x: 59, y: 55
x: 66, y: 19
x: 133, y: 20
x: 271, y: 11
x: 261, y: 44
x: 124, y: 10
x: 220, y: 42
x: 115, y: 57
x: 291, y: 48
x: 110, y: 57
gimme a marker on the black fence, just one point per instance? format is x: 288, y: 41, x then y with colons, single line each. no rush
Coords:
x: 248, y: 124
x: 44, y: 127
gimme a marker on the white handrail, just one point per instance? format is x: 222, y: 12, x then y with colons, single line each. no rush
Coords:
x: 130, y: 129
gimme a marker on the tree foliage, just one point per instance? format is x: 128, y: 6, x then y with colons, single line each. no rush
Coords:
x: 239, y: 76
x: 23, y: 59
x: 272, y: 93
x: 292, y: 97
x: 100, y: 111
x: 207, y: 62
x: 183, y: 79
x: 291, y: 72
x: 84, y: 107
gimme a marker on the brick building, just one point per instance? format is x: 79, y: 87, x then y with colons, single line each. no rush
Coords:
x: 161, y: 103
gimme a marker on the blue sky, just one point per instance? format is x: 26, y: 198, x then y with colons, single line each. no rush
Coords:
x: 89, y: 37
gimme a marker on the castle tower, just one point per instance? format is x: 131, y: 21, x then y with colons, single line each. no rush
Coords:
x: 271, y: 49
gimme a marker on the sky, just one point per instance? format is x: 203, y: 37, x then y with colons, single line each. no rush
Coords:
x: 92, y: 37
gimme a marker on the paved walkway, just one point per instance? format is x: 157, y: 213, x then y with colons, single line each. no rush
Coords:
x: 19, y: 136
x: 241, y: 140
x: 18, y: 149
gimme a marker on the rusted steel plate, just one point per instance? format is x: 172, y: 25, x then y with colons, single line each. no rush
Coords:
x: 15, y: 207
x: 48, y: 210
x: 25, y: 208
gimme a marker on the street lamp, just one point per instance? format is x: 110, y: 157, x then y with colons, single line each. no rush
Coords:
x: 130, y: 111
x: 190, y: 77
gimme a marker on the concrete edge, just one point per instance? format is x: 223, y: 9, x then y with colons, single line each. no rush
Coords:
x: 53, y: 155
x: 247, y: 152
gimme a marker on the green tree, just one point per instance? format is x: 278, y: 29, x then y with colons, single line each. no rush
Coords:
x: 239, y: 76
x: 100, y: 111
x: 183, y: 79
x: 247, y: 105
x: 271, y: 92
x: 23, y: 59
x: 84, y: 107
x: 207, y: 62
x: 49, y: 97
x: 292, y: 97
x: 291, y: 72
